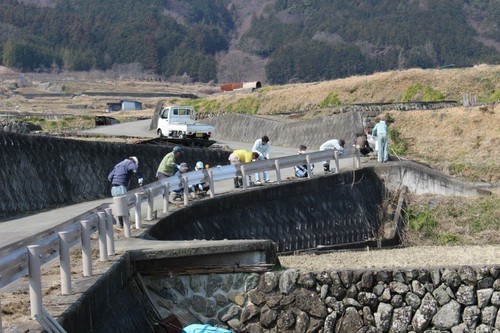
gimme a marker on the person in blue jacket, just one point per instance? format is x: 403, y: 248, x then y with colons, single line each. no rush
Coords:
x: 121, y: 174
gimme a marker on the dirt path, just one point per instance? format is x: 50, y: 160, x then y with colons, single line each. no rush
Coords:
x: 414, y: 257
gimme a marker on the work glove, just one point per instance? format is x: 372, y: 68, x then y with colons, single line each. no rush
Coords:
x: 140, y: 181
x: 175, y: 165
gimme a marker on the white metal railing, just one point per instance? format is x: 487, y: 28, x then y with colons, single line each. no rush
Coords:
x: 26, y: 257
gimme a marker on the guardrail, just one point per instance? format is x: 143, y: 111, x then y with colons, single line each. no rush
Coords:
x: 27, y: 256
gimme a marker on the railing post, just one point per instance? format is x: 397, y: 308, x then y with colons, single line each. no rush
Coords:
x: 65, y: 266
x: 120, y: 206
x: 166, y: 192
x: 278, y: 170
x: 151, y: 202
x: 138, y: 210
x: 101, y: 225
x: 110, y: 236
x: 337, y: 164
x: 357, y: 154
x: 86, y: 250
x: 35, y: 280
x: 244, y: 176
x: 309, y: 169
x: 186, y: 191
x: 211, y: 183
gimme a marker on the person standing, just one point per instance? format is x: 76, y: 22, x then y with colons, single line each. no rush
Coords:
x: 381, y: 131
x: 168, y: 166
x: 241, y: 156
x: 261, y: 146
x: 333, y: 144
x: 121, y: 174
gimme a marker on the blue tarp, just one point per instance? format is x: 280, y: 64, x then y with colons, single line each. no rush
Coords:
x: 200, y: 328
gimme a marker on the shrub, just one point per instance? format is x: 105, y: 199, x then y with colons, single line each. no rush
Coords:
x: 456, y: 168
x: 426, y: 94
x: 331, y: 100
x: 432, y: 95
x: 411, y: 92
x: 447, y: 238
x: 398, y: 145
x: 423, y: 221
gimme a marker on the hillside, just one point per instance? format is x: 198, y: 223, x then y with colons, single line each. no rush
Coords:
x: 273, y: 41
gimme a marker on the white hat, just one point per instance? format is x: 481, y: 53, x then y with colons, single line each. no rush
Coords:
x: 134, y: 159
x: 199, y: 165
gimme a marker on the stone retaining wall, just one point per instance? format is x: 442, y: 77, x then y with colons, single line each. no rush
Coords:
x: 465, y: 299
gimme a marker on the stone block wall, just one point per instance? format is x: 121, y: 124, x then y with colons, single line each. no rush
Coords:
x: 464, y: 299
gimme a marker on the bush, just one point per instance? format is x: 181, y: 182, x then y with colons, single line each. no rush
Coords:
x: 398, y: 145
x: 423, y: 221
x: 411, y: 92
x: 331, y: 100
x: 419, y: 92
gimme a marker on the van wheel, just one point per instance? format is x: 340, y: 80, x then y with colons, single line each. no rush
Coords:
x: 160, y: 134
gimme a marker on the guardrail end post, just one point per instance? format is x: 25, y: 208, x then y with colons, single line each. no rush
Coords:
x: 86, y: 249
x: 35, y: 280
x: 65, y: 262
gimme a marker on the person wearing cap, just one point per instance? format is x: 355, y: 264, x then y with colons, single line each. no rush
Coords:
x: 202, y: 187
x: 301, y: 170
x: 242, y: 156
x: 334, y: 144
x: 178, y: 193
x: 121, y: 174
x: 261, y: 146
x: 168, y: 166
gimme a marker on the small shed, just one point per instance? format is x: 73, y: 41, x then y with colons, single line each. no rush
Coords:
x: 131, y: 105
x: 123, y: 105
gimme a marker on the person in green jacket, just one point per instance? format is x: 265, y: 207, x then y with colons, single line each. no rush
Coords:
x: 168, y: 166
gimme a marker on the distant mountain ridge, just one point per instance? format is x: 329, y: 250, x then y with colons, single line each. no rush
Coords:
x: 276, y: 41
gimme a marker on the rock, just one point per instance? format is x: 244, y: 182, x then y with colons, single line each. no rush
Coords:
x: 424, y: 276
x: 460, y: 328
x: 307, y: 280
x: 435, y: 277
x: 338, y: 291
x: 350, y: 322
x: 369, y: 299
x: 489, y: 315
x: 346, y: 278
x: 301, y: 321
x: 251, y: 282
x: 315, y: 325
x: 368, y: 318
x: 367, y: 281
x: 232, y: 312
x: 227, y: 282
x: 447, y: 317
x: 330, y: 322
x: 310, y: 303
x: 467, y: 275
x: 442, y: 294
x: 334, y: 304
x: 424, y: 314
x: 497, y: 321
x: 214, y: 281
x: 410, y: 275
x: 485, y: 283
x: 287, y: 281
x: 470, y: 316
x: 352, y: 292
x: 400, y: 320
x: 418, y: 288
x: 484, y: 296
x: 221, y: 300
x: 379, y: 289
x: 250, y: 311
x: 412, y: 300
x: 397, y: 276
x: 268, y: 317
x: 484, y: 329
x: 324, y: 291
x: 351, y: 302
x: 237, y: 297
x: 496, y: 285
x: 383, y: 317
x: 466, y: 295
x: 268, y: 282
x: 324, y: 278
x: 495, y: 271
x: 495, y: 298
x: 273, y: 301
x: 196, y: 282
x: 256, y: 297
x: 386, y: 296
x: 399, y: 288
x: 452, y: 279
x: 287, y: 300
x: 397, y: 301
x: 253, y: 328
x: 236, y: 325
x: 286, y: 320
x: 384, y: 277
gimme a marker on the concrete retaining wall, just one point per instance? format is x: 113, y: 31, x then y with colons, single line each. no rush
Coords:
x: 40, y: 172
x: 464, y: 299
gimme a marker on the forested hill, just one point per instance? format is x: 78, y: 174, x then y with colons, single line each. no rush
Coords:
x: 278, y: 41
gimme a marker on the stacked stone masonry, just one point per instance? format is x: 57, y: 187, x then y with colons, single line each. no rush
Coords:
x: 457, y: 300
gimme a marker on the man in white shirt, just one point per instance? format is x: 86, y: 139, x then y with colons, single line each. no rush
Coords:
x: 334, y: 144
x: 261, y: 146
